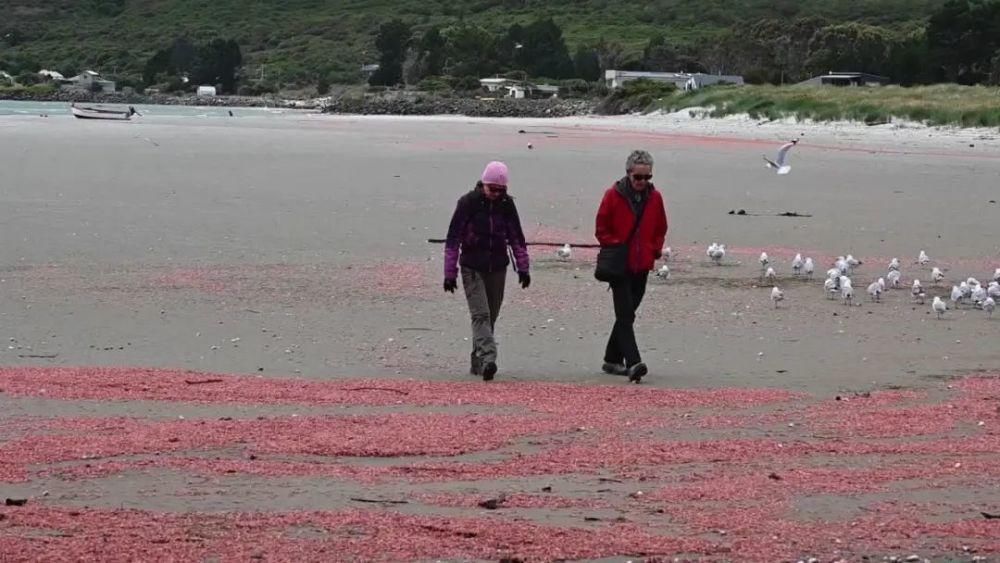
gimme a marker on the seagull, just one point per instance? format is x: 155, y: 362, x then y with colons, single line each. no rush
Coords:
x: 978, y: 295
x: 966, y: 289
x: 852, y: 263
x: 834, y: 274
x: 717, y: 253
x: 881, y: 283
x: 764, y: 260
x: 770, y: 274
x: 918, y: 291
x: 989, y: 305
x: 956, y: 295
x: 841, y: 264
x: 846, y: 292
x: 565, y: 252
x: 993, y: 290
x: 894, y: 264
x: 831, y: 288
x: 875, y: 291
x: 923, y: 259
x: 711, y: 248
x: 936, y: 275
x: 938, y: 306
x: 809, y: 267
x: 663, y: 272
x: 893, y: 276
x: 667, y: 253
x: 777, y: 295
x: 797, y: 264
x: 779, y: 163
x: 996, y: 275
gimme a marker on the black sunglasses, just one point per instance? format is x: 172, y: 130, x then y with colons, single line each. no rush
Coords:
x: 646, y: 177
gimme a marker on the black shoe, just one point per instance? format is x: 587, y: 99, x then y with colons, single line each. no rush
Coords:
x: 475, y: 368
x: 612, y: 368
x: 636, y: 372
x: 489, y: 370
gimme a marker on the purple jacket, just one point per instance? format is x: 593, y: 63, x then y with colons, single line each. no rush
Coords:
x: 482, y: 230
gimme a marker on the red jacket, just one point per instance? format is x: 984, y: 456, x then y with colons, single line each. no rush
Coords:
x: 615, y: 220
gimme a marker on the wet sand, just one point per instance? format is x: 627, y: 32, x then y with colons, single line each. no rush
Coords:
x: 296, y: 248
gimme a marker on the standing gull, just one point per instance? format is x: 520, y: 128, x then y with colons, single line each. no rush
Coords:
x: 777, y: 295
x: 938, y: 306
x: 797, y: 265
x: 809, y: 267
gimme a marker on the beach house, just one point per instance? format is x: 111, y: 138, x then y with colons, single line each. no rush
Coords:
x: 90, y: 81
x: 846, y: 79
x: 682, y: 80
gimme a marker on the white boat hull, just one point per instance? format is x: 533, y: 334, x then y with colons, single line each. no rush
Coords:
x: 94, y: 113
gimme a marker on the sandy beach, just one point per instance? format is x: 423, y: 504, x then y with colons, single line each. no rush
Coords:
x: 208, y: 321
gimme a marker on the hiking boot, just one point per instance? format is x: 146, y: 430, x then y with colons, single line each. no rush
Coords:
x: 636, y: 372
x: 489, y: 370
x: 612, y: 368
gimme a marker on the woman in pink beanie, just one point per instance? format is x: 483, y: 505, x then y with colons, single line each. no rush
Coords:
x: 484, y: 225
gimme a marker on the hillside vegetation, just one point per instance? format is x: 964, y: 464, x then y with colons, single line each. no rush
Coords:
x: 299, y: 42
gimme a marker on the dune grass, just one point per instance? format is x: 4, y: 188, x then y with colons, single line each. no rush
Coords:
x: 943, y: 104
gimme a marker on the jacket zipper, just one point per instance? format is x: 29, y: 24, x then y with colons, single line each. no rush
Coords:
x: 490, y: 267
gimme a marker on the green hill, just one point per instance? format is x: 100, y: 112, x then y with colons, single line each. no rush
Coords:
x: 298, y: 41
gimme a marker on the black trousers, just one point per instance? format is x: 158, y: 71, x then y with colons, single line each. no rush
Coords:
x: 627, y: 295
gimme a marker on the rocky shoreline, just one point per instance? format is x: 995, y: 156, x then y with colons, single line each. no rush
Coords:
x: 472, y: 107
x: 380, y: 104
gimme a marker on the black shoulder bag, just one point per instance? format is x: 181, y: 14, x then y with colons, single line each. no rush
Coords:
x: 612, y: 261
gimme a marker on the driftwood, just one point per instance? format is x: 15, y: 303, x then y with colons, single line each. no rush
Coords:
x: 533, y: 243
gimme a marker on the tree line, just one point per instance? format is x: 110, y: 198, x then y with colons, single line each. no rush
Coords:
x: 959, y: 43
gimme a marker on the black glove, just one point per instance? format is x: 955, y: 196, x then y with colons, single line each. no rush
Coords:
x: 525, y: 279
x: 450, y: 284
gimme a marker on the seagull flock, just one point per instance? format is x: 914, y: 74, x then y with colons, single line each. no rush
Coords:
x: 837, y: 283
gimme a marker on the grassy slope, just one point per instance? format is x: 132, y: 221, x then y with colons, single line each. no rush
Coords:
x: 945, y: 104
x: 299, y: 39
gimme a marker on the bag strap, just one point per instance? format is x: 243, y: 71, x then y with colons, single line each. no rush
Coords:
x: 635, y: 227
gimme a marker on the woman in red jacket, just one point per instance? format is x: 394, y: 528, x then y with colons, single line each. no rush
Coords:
x: 631, y: 202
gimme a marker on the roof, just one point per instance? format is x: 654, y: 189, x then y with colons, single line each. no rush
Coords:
x: 851, y: 75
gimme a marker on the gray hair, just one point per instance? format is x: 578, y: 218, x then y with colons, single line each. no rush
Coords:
x: 638, y: 158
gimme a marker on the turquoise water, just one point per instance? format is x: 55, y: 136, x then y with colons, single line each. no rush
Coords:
x: 62, y: 108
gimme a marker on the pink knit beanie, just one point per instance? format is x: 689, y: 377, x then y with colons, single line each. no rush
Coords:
x: 495, y: 173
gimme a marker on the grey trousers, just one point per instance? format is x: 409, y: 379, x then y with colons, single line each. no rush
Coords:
x: 484, y: 292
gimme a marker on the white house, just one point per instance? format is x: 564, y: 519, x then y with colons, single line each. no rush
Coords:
x: 206, y: 91
x: 518, y: 89
x: 682, y: 80
x: 51, y: 74
x: 493, y: 84
x: 89, y: 80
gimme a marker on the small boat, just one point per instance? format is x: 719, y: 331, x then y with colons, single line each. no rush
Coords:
x: 84, y: 112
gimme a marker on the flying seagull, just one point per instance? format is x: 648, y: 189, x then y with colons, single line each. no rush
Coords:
x: 780, y: 163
